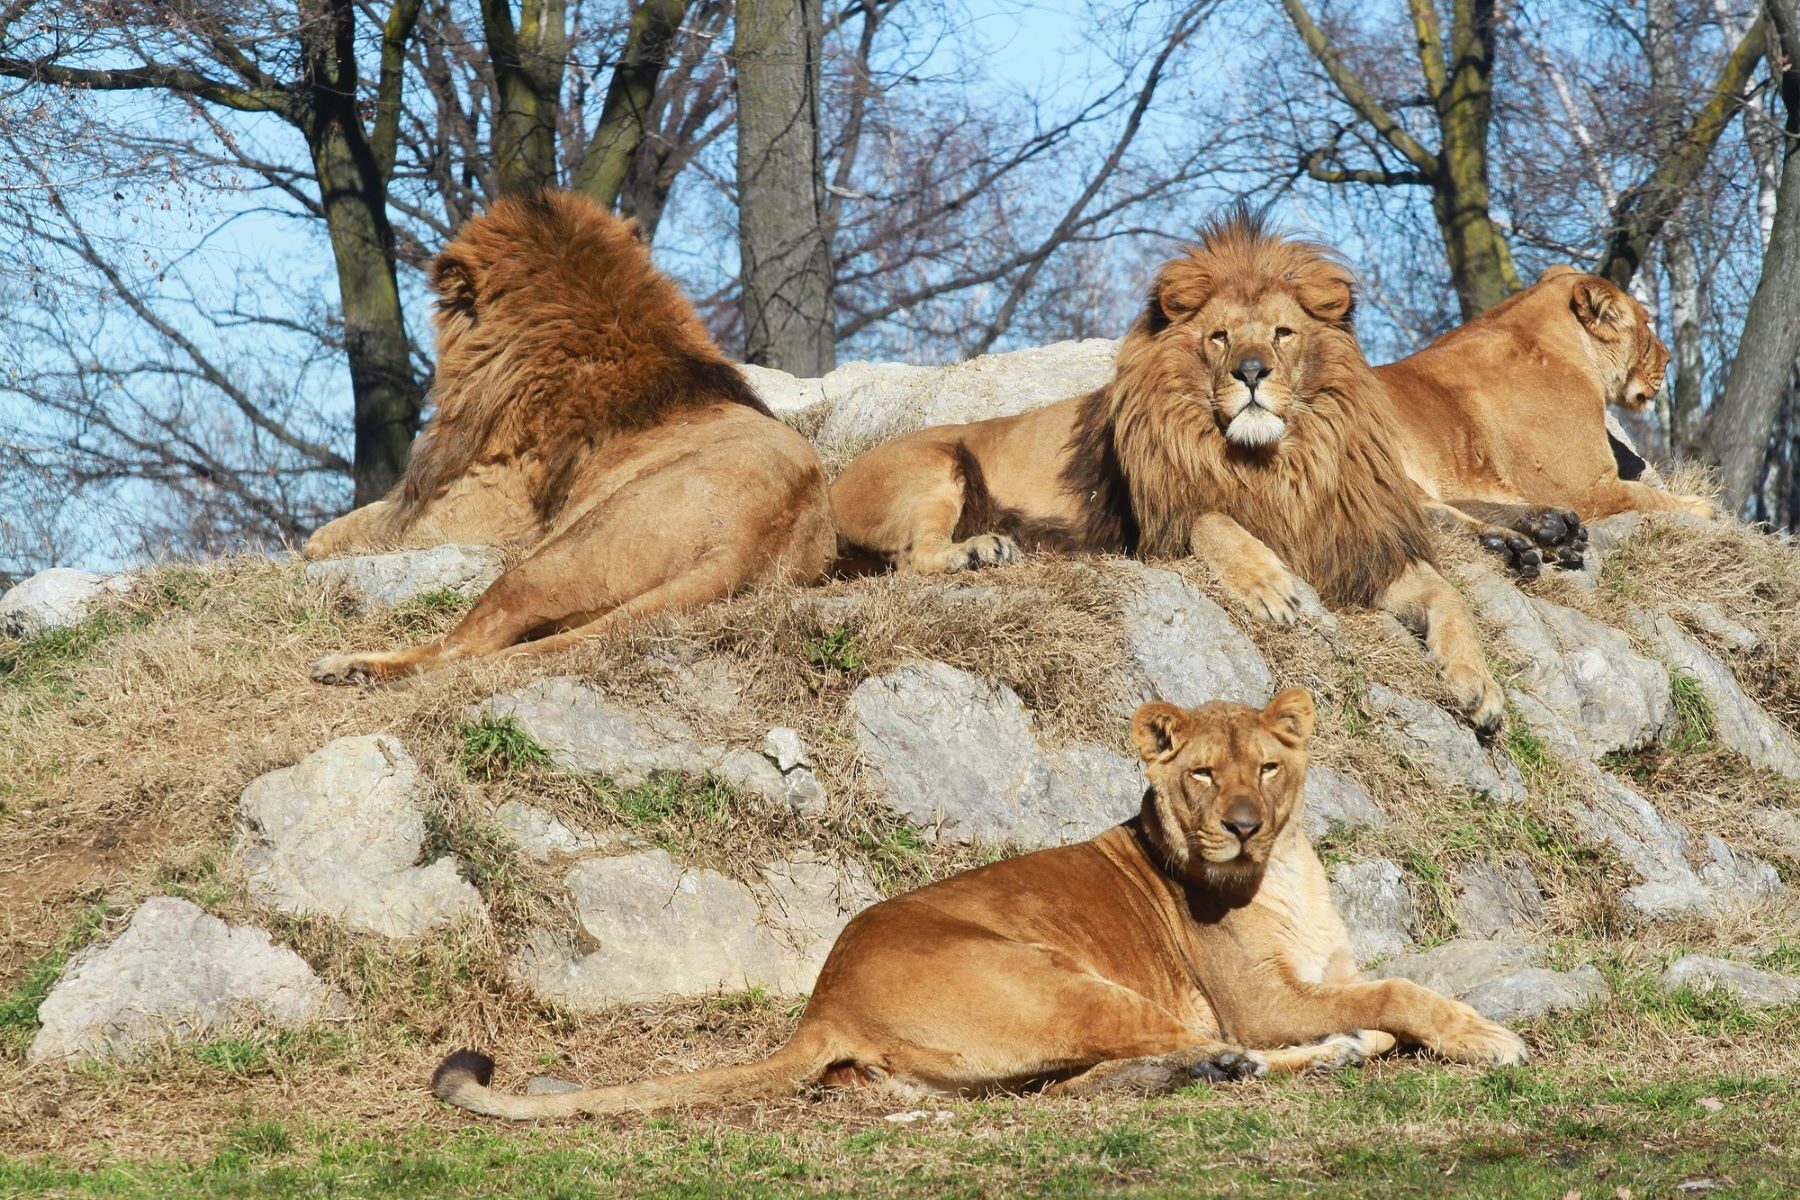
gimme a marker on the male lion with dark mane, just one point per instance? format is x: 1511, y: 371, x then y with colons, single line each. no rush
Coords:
x: 1242, y: 425
x: 584, y: 414
x: 1196, y: 941
x: 1503, y: 419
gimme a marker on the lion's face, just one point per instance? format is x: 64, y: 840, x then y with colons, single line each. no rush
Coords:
x: 1225, y: 779
x: 1630, y: 357
x: 1246, y: 335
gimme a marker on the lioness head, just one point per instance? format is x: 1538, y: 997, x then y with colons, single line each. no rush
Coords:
x: 1629, y: 357
x: 1242, y: 316
x: 1225, y: 780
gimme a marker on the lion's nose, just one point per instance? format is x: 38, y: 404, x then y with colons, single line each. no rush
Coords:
x: 1249, y: 369
x: 1242, y: 820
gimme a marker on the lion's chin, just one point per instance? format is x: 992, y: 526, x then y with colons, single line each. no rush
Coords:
x: 1255, y: 426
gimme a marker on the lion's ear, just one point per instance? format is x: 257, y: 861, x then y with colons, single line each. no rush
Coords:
x: 1157, y: 730
x: 1181, y: 287
x: 1600, y: 308
x: 1327, y: 294
x: 1556, y: 271
x: 1289, y: 717
x: 453, y: 278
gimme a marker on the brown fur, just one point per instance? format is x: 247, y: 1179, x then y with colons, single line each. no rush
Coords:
x: 1179, y: 455
x: 1504, y: 417
x: 1170, y: 948
x: 584, y: 413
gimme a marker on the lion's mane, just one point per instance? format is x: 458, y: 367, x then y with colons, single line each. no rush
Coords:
x: 1330, y: 498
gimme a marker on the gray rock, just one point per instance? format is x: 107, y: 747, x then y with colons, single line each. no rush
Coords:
x: 1425, y: 734
x: 53, y: 599
x: 1587, y: 674
x: 1499, y: 900
x: 584, y: 731
x: 385, y: 580
x: 543, y: 835
x: 661, y: 930
x: 994, y: 385
x: 1711, y: 620
x: 1751, y: 987
x: 1185, y: 646
x: 1105, y: 781
x: 1609, y: 533
x: 1536, y: 992
x: 1780, y: 826
x: 1376, y: 905
x: 1456, y: 968
x: 1740, y: 722
x: 800, y: 782
x: 176, y: 973
x: 958, y: 758
x: 1333, y: 800
x: 337, y: 834
x: 786, y: 395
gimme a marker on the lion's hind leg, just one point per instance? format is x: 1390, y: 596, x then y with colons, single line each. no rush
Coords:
x: 905, y: 501
x: 1424, y: 601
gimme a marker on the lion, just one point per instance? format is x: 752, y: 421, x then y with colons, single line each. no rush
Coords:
x: 1197, y: 940
x: 1242, y: 425
x: 1503, y: 420
x: 584, y: 415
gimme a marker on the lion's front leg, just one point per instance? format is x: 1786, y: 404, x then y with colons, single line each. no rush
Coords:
x: 1425, y: 602
x: 1249, y: 568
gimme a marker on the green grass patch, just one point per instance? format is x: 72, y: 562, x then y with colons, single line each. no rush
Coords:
x: 44, y: 660
x: 19, y: 1007
x: 494, y: 746
x: 427, y: 612
x: 1694, y: 711
x: 836, y: 651
x: 1528, y: 752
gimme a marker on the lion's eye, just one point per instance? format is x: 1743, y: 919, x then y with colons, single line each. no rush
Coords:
x: 1202, y: 774
x: 1283, y: 333
x: 1218, y: 337
x: 1270, y: 768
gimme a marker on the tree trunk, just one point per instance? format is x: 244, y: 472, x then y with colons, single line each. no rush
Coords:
x: 1481, y: 266
x: 528, y: 75
x: 353, y: 190
x: 607, y: 160
x: 782, y: 242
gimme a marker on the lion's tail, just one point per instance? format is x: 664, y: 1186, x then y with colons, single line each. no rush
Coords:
x: 462, y: 1079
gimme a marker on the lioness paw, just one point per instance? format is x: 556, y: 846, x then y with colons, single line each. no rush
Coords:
x: 988, y: 550
x: 1275, y: 597
x: 1515, y: 550
x: 1228, y: 1066
x: 1482, y: 1043
x: 341, y: 669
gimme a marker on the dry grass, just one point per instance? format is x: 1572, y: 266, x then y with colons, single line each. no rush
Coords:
x: 124, y: 746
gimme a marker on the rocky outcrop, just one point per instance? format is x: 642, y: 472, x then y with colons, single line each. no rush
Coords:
x: 1333, y: 800
x: 956, y: 755
x: 659, y: 929
x: 387, y: 580
x: 1425, y: 734
x: 1738, y: 721
x: 53, y: 599
x: 1376, y: 905
x: 1503, y: 982
x: 337, y: 835
x: 1186, y: 649
x: 1499, y: 900
x: 544, y: 836
x: 1749, y: 986
x: 176, y: 974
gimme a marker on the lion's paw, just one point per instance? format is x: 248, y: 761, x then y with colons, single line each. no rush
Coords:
x: 341, y: 669
x: 987, y: 550
x: 1342, y: 1050
x: 1521, y: 557
x: 1274, y: 596
x: 1699, y: 506
x: 1482, y: 1043
x: 1229, y: 1066
x: 1480, y: 698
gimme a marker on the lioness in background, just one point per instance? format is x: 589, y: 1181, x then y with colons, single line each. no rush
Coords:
x: 1197, y: 940
x: 584, y: 413
x: 1242, y: 426
x: 1503, y: 420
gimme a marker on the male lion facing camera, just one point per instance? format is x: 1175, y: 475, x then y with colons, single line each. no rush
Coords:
x: 1242, y: 425
x: 1197, y: 940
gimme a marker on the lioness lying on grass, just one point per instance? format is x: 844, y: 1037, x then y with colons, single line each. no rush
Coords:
x: 1195, y: 941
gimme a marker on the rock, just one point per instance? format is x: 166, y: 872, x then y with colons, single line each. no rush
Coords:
x: 1376, y: 906
x: 543, y: 835
x: 662, y: 930
x: 1587, y: 674
x: 176, y: 973
x: 994, y: 385
x: 1104, y: 780
x: 1185, y: 646
x: 786, y: 395
x: 1333, y: 800
x: 1425, y: 734
x: 1536, y: 992
x: 1499, y: 899
x: 337, y: 834
x: 386, y: 580
x: 1609, y: 533
x: 53, y: 599
x: 1500, y: 980
x: 1457, y: 968
x: 586, y: 732
x: 1751, y: 987
x: 958, y: 758
x: 801, y: 787
x: 1711, y: 620
x: 1739, y: 722
x: 1780, y: 826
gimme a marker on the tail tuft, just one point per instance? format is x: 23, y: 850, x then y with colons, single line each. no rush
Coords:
x: 462, y: 1067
